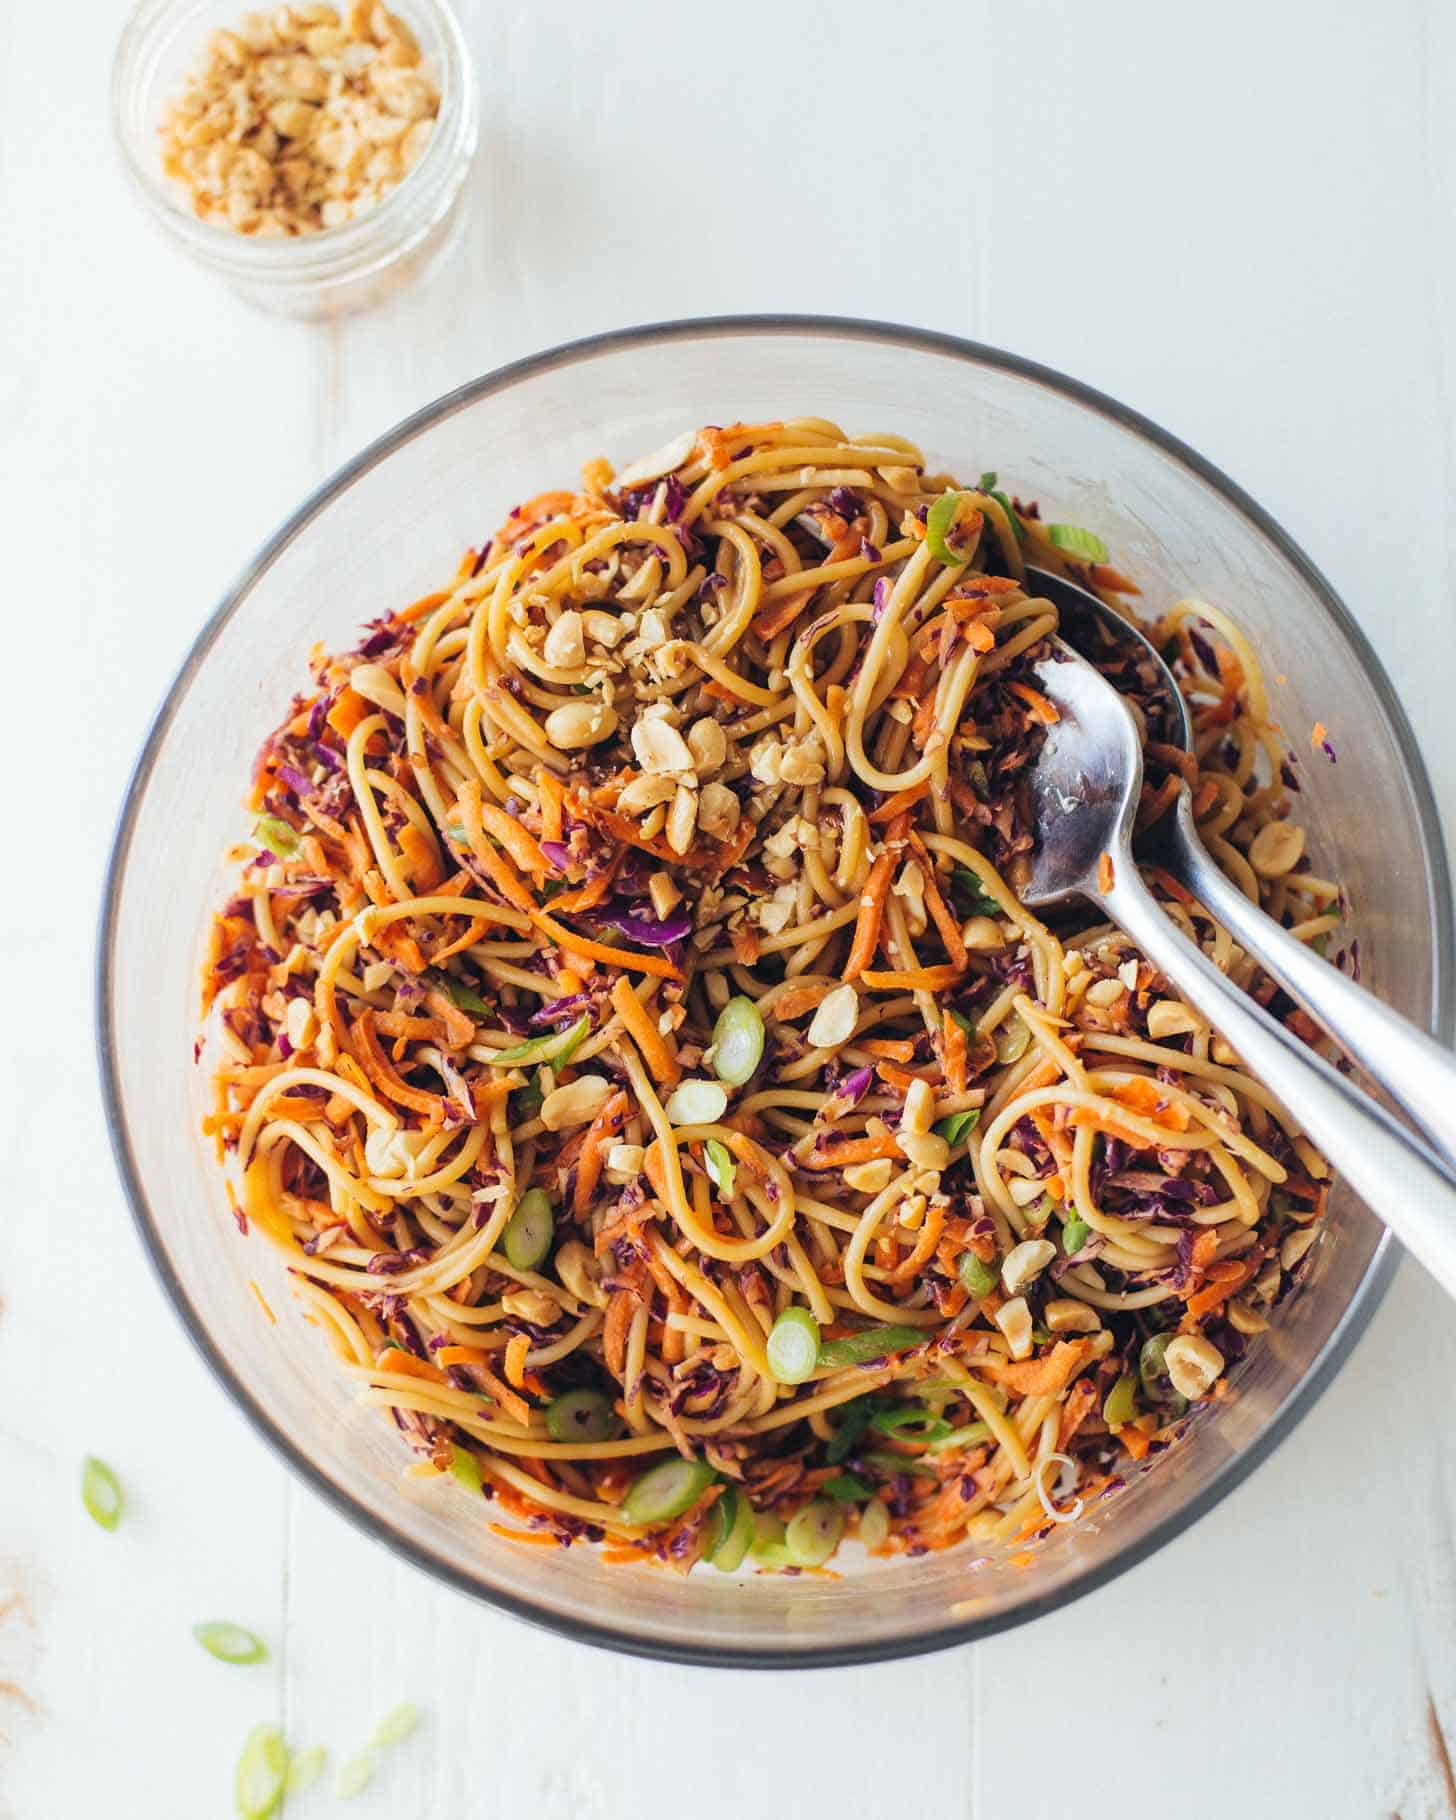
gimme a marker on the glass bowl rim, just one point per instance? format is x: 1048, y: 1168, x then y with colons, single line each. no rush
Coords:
x: 1368, y: 1293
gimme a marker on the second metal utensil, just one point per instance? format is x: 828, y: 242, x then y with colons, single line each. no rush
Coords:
x: 1085, y: 787
x: 1417, y: 1073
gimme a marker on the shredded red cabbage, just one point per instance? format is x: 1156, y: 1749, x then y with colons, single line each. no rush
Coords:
x: 646, y: 931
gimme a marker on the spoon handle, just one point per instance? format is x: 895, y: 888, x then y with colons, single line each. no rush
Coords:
x: 1387, y: 1167
x: 1418, y: 1073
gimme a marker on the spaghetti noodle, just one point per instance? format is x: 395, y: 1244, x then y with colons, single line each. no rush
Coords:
x: 632, y: 1036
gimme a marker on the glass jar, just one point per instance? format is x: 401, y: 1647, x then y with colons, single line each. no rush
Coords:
x: 337, y: 269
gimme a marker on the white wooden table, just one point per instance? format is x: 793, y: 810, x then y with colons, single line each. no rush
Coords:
x: 1239, y: 219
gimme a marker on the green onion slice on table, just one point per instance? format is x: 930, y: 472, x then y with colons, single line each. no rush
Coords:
x: 230, y: 1642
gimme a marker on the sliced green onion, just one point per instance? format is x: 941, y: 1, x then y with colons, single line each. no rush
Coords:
x: 396, y: 1725
x: 230, y: 1642
x: 769, y: 1549
x: 101, y: 1492
x: 978, y: 1277
x: 1075, y: 1235
x: 813, y: 1532
x: 463, y: 996
x: 971, y: 1435
x: 952, y: 527
x: 733, y: 1515
x: 262, y: 1773
x: 737, y: 1041
x: 664, y: 1492
x: 304, y: 1768
x: 973, y: 893
x: 911, y: 1422
x: 874, y: 1523
x: 580, y: 1415
x: 530, y: 1229
x: 1077, y: 542
x: 575, y: 1037
x: 1321, y: 944
x: 1120, y: 1403
x: 355, y: 1775
x: 869, y: 1343
x: 848, y: 1488
x: 768, y: 1531
x: 696, y: 1103
x: 718, y: 1160
x: 960, y: 1018
x: 854, y: 1419
x: 1012, y: 1039
x: 558, y: 1046
x: 527, y: 1101
x: 725, y: 1513
x: 1013, y: 516
x: 954, y: 1128
x: 897, y: 1463
x: 280, y: 840
x: 793, y: 1346
x: 1153, y: 1371
x: 987, y: 480
x: 465, y: 1468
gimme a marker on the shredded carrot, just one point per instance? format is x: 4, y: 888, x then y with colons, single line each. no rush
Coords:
x: 516, y: 1349
x: 844, y: 1151
x: 900, y: 801
x: 263, y: 1302
x: 1104, y: 873
x: 953, y: 1054
x: 1041, y: 709
x: 553, y: 802
x: 380, y: 1072
x: 408, y: 1366
x: 1224, y: 1280
x: 1091, y: 1119
x: 941, y: 914
x: 901, y: 1050
x: 1044, y: 1377
x: 421, y: 864
x: 914, y: 979
x: 502, y: 874
x: 348, y: 711
x: 620, y: 1311
x: 871, y: 914
x: 590, y: 1158
x: 534, y: 1538
x: 781, y: 615
x: 1318, y: 734
x: 1144, y: 1096
x: 1112, y: 579
x: 522, y: 845
x: 799, y: 999
x: 925, y: 1243
x: 656, y: 964
x: 658, y: 1052
x: 462, y: 1355
x: 1134, y: 1440
x: 589, y: 895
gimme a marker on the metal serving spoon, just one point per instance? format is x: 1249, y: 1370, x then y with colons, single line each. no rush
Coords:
x: 1084, y: 791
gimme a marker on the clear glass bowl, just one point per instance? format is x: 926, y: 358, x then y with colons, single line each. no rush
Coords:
x: 384, y: 531
x: 338, y: 269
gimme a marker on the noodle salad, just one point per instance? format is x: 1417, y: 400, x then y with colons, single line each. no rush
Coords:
x: 627, y: 1025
